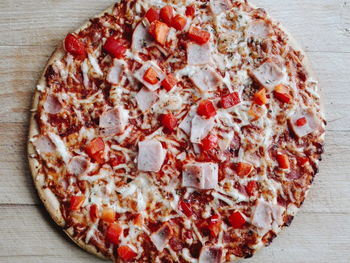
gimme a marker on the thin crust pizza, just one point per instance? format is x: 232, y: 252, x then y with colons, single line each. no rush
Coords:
x: 176, y: 131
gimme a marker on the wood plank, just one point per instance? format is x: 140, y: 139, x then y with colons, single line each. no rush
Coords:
x: 28, y: 234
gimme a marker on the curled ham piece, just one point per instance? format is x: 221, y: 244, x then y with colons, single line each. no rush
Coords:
x: 185, y: 125
x: 145, y: 99
x: 161, y: 237
x: 113, y: 121
x: 206, y: 79
x: 52, y: 104
x: 151, y: 156
x: 198, y: 54
x: 210, y: 255
x: 140, y: 37
x: 139, y: 75
x: 311, y: 125
x: 258, y: 29
x: 78, y: 165
x: 265, y: 213
x: 200, y: 128
x: 219, y: 6
x: 267, y: 75
x: 200, y: 175
x: 43, y: 145
x: 115, y: 72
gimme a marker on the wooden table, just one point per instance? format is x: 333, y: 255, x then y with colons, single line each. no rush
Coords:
x: 29, y: 32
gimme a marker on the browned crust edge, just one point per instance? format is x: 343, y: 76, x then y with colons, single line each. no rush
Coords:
x: 33, y: 130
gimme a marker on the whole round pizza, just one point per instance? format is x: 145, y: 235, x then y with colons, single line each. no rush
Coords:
x: 176, y: 131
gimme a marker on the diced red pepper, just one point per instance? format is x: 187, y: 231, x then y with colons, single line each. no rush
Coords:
x: 260, y: 97
x: 76, y: 202
x: 169, y: 82
x: 159, y: 31
x: 166, y: 14
x: 251, y: 188
x: 74, y: 46
x: 282, y: 93
x: 283, y: 161
x: 126, y: 253
x: 206, y: 109
x: 169, y: 122
x: 190, y: 10
x: 302, y: 160
x: 179, y: 22
x: 95, y: 150
x: 186, y: 208
x: 151, y: 76
x: 230, y: 100
x: 301, y: 122
x: 243, y: 169
x: 152, y: 15
x: 198, y: 35
x: 209, y: 142
x: 94, y: 213
x: 113, y: 233
x: 236, y: 220
x: 215, y: 225
x: 115, y: 47
x: 119, y: 159
x: 108, y: 215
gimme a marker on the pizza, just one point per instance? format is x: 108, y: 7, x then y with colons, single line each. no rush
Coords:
x: 176, y: 131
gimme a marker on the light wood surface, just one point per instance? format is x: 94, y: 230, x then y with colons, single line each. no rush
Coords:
x: 29, y: 32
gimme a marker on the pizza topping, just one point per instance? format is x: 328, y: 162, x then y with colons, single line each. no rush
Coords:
x: 230, y: 100
x: 154, y: 75
x: 206, y: 79
x: 161, y: 237
x: 186, y: 123
x: 236, y: 220
x: 198, y: 35
x: 200, y: 128
x: 76, y: 202
x: 215, y: 225
x: 260, y: 97
x: 169, y: 82
x: 219, y: 6
x: 262, y: 216
x: 145, y: 99
x: 210, y: 255
x: 179, y: 22
x: 200, y: 175
x: 303, y: 123
x: 141, y: 38
x: 126, y: 253
x: 115, y: 47
x: 108, y: 215
x: 268, y: 75
x: 283, y: 161
x: 190, y: 10
x: 113, y: 233
x: 95, y: 149
x: 52, y: 104
x: 73, y: 45
x: 151, y: 156
x: 302, y: 160
x: 166, y: 14
x: 115, y: 72
x: 206, y: 109
x: 93, y: 212
x: 198, y: 54
x: 159, y: 31
x: 77, y: 165
x: 258, y: 30
x: 281, y: 92
x: 186, y: 208
x: 169, y: 122
x: 251, y: 188
x: 113, y: 121
x: 243, y: 169
x: 152, y: 14
x: 210, y: 142
x: 44, y: 145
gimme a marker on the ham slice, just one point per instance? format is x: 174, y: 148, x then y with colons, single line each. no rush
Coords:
x: 185, y: 125
x: 115, y: 72
x: 210, y: 255
x: 198, y: 54
x: 269, y: 75
x: 145, y: 99
x: 206, y: 79
x: 258, y: 30
x: 200, y: 128
x: 200, y: 175
x: 52, y: 104
x: 277, y: 213
x: 113, y: 121
x: 151, y: 156
x: 141, y: 38
x: 219, y: 6
x: 77, y: 165
x: 265, y: 213
x: 311, y: 125
x: 44, y: 145
x: 161, y: 237
x: 141, y: 72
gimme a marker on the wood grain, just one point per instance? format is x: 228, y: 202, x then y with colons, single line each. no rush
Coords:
x: 29, y: 32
